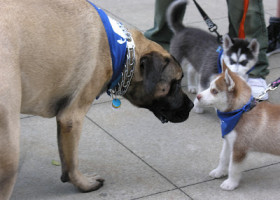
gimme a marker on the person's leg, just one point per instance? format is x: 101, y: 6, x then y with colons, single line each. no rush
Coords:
x: 235, y: 12
x: 274, y: 33
x: 255, y: 20
x: 254, y: 28
x: 161, y: 33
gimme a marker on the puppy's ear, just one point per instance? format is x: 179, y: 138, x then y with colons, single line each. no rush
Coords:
x: 224, y: 67
x: 229, y: 81
x: 254, y: 47
x: 227, y: 42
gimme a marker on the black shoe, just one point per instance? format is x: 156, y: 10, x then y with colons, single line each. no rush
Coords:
x: 273, y: 36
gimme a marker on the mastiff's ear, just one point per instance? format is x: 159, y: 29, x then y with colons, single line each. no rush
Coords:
x: 151, y: 69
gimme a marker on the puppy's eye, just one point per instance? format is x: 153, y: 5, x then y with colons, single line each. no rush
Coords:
x: 232, y: 61
x: 244, y: 62
x: 214, y: 91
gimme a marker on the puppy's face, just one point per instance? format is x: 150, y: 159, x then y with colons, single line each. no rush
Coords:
x: 226, y: 93
x: 214, y: 96
x: 159, y: 88
x: 240, y: 55
x: 219, y: 93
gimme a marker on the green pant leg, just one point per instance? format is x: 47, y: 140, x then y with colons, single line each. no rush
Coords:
x: 255, y: 27
x: 161, y: 32
x: 235, y: 12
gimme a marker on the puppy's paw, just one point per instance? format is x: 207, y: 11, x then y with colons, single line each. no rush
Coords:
x: 218, y: 173
x: 192, y: 89
x: 229, y: 185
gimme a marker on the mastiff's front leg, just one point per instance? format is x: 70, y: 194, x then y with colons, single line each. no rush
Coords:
x: 69, y: 127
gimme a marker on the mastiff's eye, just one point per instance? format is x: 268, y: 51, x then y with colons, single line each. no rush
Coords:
x: 175, y: 86
x: 142, y: 65
x: 167, y: 61
x: 214, y: 91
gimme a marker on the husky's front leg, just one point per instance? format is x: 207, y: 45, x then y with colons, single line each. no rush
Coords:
x: 192, y: 79
x: 235, y: 169
x: 198, y: 108
x: 222, y: 169
x: 234, y: 175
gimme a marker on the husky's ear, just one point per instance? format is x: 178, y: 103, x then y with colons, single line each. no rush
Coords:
x: 227, y: 42
x: 254, y: 47
x: 229, y: 81
x: 224, y: 67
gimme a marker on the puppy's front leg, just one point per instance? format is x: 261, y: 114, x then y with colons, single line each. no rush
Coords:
x: 192, y: 79
x: 234, y: 176
x: 69, y: 127
x: 222, y: 169
x: 238, y: 154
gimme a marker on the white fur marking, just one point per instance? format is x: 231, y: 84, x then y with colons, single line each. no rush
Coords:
x: 219, y: 101
x: 239, y: 52
x: 226, y: 160
x: 242, y: 57
x: 234, y: 57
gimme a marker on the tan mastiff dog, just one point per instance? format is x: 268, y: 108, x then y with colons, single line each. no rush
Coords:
x: 54, y: 61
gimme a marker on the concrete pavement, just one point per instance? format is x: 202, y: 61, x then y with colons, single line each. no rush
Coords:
x: 139, y: 157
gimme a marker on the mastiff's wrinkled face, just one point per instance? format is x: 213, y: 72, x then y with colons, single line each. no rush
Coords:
x: 159, y: 89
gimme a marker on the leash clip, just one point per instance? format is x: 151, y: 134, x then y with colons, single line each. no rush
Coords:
x: 259, y: 98
x: 270, y: 87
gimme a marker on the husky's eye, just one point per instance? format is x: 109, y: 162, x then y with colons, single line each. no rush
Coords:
x: 214, y: 91
x: 232, y: 61
x: 244, y: 62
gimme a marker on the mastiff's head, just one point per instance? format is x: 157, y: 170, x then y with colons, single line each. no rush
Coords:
x: 156, y: 85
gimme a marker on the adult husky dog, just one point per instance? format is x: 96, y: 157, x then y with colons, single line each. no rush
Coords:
x: 54, y: 61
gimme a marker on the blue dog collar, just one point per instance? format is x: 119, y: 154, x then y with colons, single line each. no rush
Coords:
x: 117, y: 41
x: 220, y: 51
x: 230, y: 119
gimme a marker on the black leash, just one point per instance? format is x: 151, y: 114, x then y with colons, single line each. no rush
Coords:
x: 211, y: 25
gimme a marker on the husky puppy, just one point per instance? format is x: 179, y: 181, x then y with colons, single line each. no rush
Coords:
x: 199, y: 48
x: 258, y: 128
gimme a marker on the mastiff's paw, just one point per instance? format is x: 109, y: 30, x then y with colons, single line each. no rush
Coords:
x: 86, y: 183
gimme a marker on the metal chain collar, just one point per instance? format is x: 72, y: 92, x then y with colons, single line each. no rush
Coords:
x: 128, y: 70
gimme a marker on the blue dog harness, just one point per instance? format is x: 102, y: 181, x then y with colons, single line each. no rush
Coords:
x: 220, y: 51
x: 230, y: 119
x: 117, y: 41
